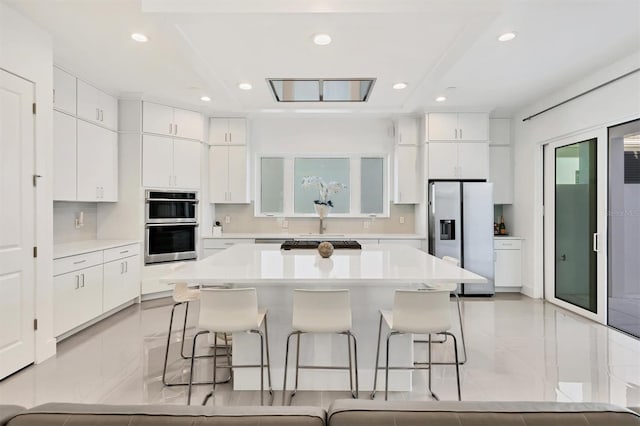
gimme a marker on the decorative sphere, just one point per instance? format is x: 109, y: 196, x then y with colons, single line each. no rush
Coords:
x: 325, y: 249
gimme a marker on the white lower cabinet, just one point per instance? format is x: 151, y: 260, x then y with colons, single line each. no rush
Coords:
x: 77, y: 298
x: 121, y: 282
x: 508, y: 263
x: 91, y: 284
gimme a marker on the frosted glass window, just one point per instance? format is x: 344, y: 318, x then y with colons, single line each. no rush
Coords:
x: 372, y: 185
x: 272, y: 185
x: 329, y: 169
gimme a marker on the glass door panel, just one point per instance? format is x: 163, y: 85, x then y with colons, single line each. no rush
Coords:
x: 623, y: 299
x: 576, y: 224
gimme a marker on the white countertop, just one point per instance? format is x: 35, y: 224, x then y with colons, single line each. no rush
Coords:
x: 329, y: 236
x: 87, y: 246
x: 507, y: 237
x: 383, y: 264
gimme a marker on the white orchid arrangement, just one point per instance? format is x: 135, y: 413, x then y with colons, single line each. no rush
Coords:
x: 324, y: 189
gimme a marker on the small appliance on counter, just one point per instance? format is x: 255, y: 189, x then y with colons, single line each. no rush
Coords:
x: 216, y: 230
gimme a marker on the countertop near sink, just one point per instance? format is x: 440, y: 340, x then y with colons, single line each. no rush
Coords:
x: 507, y: 237
x: 328, y: 236
x: 87, y: 246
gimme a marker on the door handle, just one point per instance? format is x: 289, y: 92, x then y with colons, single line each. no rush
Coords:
x: 596, y: 245
x: 563, y: 258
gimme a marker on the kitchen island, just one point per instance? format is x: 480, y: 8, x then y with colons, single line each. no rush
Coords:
x: 371, y: 274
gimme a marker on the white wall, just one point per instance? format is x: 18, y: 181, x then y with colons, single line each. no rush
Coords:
x: 26, y: 50
x: 612, y: 104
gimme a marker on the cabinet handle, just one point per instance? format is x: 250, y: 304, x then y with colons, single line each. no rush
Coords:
x: 596, y: 246
x: 101, y: 115
x: 460, y: 133
x: 170, y: 128
x: 54, y: 96
x: 399, y: 195
x: 126, y: 266
x: 456, y: 131
x: 79, y: 262
x: 124, y: 251
x: 175, y: 129
x: 82, y: 281
x: 121, y: 268
x: 230, y: 137
x: 77, y: 282
x: 225, y: 137
x: 97, y: 114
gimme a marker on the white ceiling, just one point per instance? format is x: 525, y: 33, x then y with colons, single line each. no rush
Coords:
x: 207, y: 47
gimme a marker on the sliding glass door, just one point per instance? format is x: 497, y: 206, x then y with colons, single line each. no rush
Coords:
x: 571, y: 226
x: 623, y: 246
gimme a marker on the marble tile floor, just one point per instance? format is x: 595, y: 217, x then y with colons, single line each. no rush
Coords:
x: 519, y: 349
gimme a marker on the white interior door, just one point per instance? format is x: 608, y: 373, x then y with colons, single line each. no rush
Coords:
x: 574, y: 224
x: 17, y: 346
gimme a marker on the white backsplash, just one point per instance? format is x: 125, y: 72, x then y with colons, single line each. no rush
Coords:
x: 64, y: 216
x: 243, y: 221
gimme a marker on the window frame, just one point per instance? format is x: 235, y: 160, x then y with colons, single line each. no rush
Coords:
x: 354, y: 184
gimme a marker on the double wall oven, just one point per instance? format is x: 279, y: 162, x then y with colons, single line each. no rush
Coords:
x: 171, y: 226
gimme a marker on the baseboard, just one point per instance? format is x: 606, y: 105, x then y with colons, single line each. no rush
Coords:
x: 45, y: 350
x: 95, y: 320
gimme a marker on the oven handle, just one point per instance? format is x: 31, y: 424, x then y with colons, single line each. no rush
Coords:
x: 180, y: 200
x: 150, y: 225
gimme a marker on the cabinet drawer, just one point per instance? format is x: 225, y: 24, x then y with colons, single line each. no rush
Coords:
x: 507, y: 244
x: 121, y: 252
x: 74, y: 263
x: 225, y: 243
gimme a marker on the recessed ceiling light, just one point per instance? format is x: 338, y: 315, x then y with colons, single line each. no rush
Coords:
x: 205, y: 99
x: 322, y: 39
x: 441, y: 99
x: 245, y: 86
x: 400, y: 86
x: 507, y: 36
x: 139, y: 37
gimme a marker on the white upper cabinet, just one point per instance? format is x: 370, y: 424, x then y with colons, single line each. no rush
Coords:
x: 406, y: 175
x: 467, y: 126
x: 170, y: 163
x: 169, y: 121
x: 228, y: 131
x: 501, y: 163
x: 228, y: 177
x: 186, y: 164
x: 458, y: 160
x: 64, y: 91
x: 406, y: 131
x: 97, y: 163
x: 157, y: 119
x: 64, y: 157
x: 96, y: 106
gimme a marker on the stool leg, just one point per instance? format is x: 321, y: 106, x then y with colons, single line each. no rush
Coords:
x: 184, y: 331
x: 261, y: 368
x: 350, y: 363
x: 375, y: 369
x: 297, y: 364
x: 430, y: 368
x: 286, y: 362
x: 455, y: 348
x: 193, y: 351
x: 166, y: 353
x: 386, y: 369
x: 355, y: 362
x: 266, y: 342
x: 464, y: 345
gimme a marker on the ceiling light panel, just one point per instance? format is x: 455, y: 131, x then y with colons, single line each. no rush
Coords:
x: 321, y: 90
x: 322, y: 39
x: 507, y: 36
x: 139, y: 37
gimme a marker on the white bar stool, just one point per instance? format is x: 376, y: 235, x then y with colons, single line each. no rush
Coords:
x: 322, y: 311
x: 183, y: 295
x: 231, y: 311
x: 451, y: 287
x: 416, y: 312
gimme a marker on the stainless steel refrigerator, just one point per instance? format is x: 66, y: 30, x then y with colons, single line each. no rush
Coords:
x: 461, y: 226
